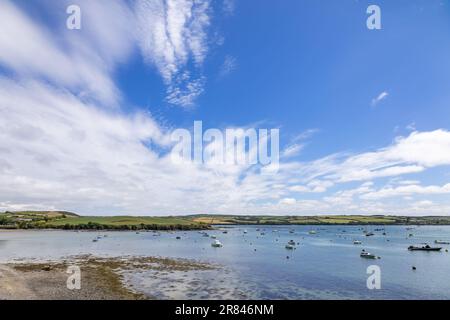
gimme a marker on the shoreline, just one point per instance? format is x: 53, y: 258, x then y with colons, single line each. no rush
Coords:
x: 100, y: 278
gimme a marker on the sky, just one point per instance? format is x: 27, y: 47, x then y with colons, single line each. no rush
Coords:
x: 86, y: 116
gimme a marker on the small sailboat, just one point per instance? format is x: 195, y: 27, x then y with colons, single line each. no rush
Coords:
x: 216, y: 244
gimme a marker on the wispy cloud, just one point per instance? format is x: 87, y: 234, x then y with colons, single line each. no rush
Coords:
x: 81, y: 63
x: 383, y: 95
x: 228, y: 66
x: 229, y: 6
x: 171, y: 34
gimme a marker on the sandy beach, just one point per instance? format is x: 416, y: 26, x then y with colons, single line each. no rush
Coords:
x: 101, y: 278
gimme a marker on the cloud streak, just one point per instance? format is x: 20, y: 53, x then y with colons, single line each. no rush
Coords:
x: 382, y: 96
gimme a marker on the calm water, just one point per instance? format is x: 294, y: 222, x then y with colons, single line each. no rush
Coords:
x: 324, y: 266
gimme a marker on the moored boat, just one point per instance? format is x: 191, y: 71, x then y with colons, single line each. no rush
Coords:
x: 216, y: 244
x: 367, y: 255
x: 441, y: 242
x: 424, y: 248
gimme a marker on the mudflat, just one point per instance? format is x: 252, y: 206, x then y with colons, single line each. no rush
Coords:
x: 101, y: 278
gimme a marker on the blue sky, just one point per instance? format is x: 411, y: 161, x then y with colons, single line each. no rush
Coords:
x: 363, y: 114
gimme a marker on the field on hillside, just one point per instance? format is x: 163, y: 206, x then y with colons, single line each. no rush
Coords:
x: 307, y: 220
x: 123, y: 220
x: 67, y: 220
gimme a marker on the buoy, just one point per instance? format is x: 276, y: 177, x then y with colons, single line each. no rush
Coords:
x: 414, y: 268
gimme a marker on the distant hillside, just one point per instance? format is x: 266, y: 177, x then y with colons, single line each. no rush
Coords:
x: 321, y: 220
x: 72, y: 221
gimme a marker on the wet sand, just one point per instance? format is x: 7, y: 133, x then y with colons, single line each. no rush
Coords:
x: 101, y: 278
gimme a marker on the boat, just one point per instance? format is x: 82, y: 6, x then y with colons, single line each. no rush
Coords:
x: 291, y: 231
x: 225, y: 232
x: 290, y: 247
x: 367, y: 255
x: 291, y: 242
x: 441, y: 242
x: 95, y: 240
x: 424, y: 248
x: 213, y: 237
x: 312, y: 232
x: 178, y: 238
x: 216, y: 244
x: 357, y: 242
x: 245, y: 231
x: 369, y: 234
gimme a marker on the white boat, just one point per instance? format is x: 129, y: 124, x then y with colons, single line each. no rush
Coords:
x: 213, y: 237
x: 357, y: 242
x: 367, y: 255
x: 245, y: 231
x: 312, y: 232
x: 291, y: 242
x: 441, y: 242
x: 290, y: 247
x: 216, y: 244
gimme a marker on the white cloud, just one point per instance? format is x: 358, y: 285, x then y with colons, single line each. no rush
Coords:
x: 406, y: 191
x: 383, y: 95
x: 82, y: 61
x: 292, y: 150
x: 61, y: 149
x: 288, y: 201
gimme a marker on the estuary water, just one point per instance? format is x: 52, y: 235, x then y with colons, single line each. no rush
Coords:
x: 256, y: 265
